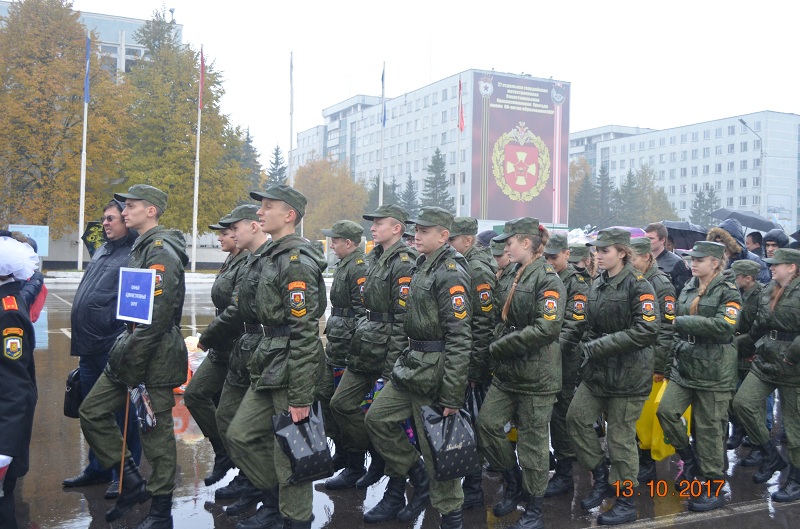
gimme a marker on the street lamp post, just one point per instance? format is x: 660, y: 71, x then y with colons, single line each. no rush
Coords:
x: 762, y: 183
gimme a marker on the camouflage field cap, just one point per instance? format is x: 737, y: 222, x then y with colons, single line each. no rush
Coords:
x: 388, y: 211
x: 464, y: 226
x: 498, y: 248
x: 556, y: 244
x: 433, y: 216
x: 521, y: 225
x: 245, y: 212
x: 144, y: 192
x: 784, y: 256
x: 707, y: 249
x: 746, y: 267
x: 577, y: 253
x: 345, y: 229
x: 610, y: 237
x: 284, y: 193
x: 218, y: 226
x: 641, y: 245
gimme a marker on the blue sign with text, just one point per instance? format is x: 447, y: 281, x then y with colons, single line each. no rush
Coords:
x: 135, y: 299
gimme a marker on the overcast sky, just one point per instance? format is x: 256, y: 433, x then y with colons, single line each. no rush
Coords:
x: 640, y: 63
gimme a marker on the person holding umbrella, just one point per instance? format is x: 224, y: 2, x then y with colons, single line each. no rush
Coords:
x: 729, y: 232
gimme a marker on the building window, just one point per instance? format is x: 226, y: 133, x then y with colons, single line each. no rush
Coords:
x: 683, y: 138
x: 683, y: 172
x: 632, y: 147
x: 717, y: 167
x: 694, y: 188
x: 730, y: 185
x: 683, y: 204
x: 613, y: 165
x: 743, y: 182
x: 683, y: 189
x: 444, y: 94
x: 756, y: 200
x: 756, y: 163
x: 695, y: 136
x: 706, y: 134
x: 652, y: 144
x: 651, y: 160
x: 757, y: 126
x: 641, y: 145
x: 718, y: 149
x: 694, y: 171
x: 452, y: 179
x: 743, y: 147
x: 622, y: 164
x: 695, y: 153
x: 730, y: 166
x: 756, y: 145
x: 444, y: 116
x: 426, y: 102
x: 662, y: 158
x: 742, y: 201
x: 661, y: 175
x: 622, y: 149
x: 717, y: 185
x: 684, y: 156
x: 662, y: 142
x: 672, y: 140
x: 444, y: 138
x: 706, y: 169
x: 673, y: 157
x: 671, y: 174
x: 718, y: 132
x: 731, y: 132
x: 452, y: 157
x: 731, y: 148
x: 756, y: 181
x: 706, y: 152
x: 743, y: 164
x: 671, y: 190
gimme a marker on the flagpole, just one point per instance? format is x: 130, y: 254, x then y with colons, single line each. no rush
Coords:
x: 383, y: 129
x: 291, y: 115
x: 83, y: 153
x: 458, y: 152
x: 197, y: 160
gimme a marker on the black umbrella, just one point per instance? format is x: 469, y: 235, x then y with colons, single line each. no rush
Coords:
x: 93, y: 236
x: 684, y: 234
x: 747, y: 218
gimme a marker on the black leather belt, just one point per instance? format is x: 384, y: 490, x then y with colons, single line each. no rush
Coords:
x: 426, y: 347
x: 692, y: 339
x: 344, y: 313
x: 386, y: 317
x: 781, y: 336
x: 270, y: 331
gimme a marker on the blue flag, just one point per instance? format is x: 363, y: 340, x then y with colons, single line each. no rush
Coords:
x: 383, y: 92
x: 86, y: 79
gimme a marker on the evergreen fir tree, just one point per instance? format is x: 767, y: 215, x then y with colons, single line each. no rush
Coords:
x: 435, y: 191
x: 277, y: 167
x: 408, y: 198
x: 586, y: 209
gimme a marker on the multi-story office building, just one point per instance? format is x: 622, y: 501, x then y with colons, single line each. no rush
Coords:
x: 505, y: 152
x: 117, y: 37
x: 583, y: 144
x: 751, y: 161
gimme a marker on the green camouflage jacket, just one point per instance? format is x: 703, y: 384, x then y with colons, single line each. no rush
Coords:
x: 665, y: 295
x: 222, y: 295
x: 577, y: 291
x: 483, y: 285
x: 750, y: 301
x: 345, y: 296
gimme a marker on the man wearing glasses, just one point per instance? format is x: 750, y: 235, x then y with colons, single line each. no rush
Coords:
x: 95, y: 328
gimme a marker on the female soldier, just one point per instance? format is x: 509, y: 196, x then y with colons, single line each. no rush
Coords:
x: 776, y: 335
x: 527, y: 372
x: 617, y: 376
x: 703, y: 374
x: 643, y: 261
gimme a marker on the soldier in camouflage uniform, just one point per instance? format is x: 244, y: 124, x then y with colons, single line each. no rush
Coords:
x: 644, y: 261
x: 617, y: 374
x: 774, y: 343
x: 431, y: 371
x: 379, y: 337
x: 228, y: 327
x: 557, y: 254
x: 527, y: 374
x: 745, y: 274
x: 484, y: 283
x: 505, y: 268
x: 207, y: 381
x: 281, y: 307
x: 703, y: 372
x: 581, y: 258
x: 152, y: 354
x: 347, y: 307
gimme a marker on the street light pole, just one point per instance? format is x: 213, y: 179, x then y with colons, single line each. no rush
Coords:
x: 762, y: 183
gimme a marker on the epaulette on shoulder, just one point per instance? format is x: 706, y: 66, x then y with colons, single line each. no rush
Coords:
x: 549, y: 269
x: 404, y: 256
x: 731, y: 285
x: 10, y: 303
x: 360, y: 261
x: 294, y: 255
x: 158, y: 243
x: 450, y: 264
x: 580, y: 278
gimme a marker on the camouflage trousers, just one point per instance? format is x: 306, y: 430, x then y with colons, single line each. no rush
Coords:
x: 622, y: 414
x: 102, y: 433
x: 206, y: 383
x: 709, y: 424
x: 346, y: 408
x: 531, y: 415
x: 559, y: 436
x: 325, y: 390
x: 229, y: 401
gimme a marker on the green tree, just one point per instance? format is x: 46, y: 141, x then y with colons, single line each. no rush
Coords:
x: 276, y: 173
x: 390, y: 193
x: 586, y: 208
x: 164, y: 139
x: 639, y: 200
x: 408, y: 198
x: 578, y: 169
x: 604, y: 193
x: 42, y: 66
x: 250, y: 162
x: 435, y: 191
x: 702, y: 206
x: 624, y: 203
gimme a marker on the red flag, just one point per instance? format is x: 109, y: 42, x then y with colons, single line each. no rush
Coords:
x: 202, y: 78
x: 461, y: 125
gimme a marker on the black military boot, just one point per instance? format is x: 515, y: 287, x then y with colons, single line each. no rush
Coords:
x: 418, y: 476
x: 561, y: 482
x: 112, y: 492
x: 600, y: 490
x: 710, y: 497
x: 374, y: 472
x: 623, y: 511
x: 133, y: 491
x: 234, y: 489
x: 160, y: 516
x: 339, y: 459
x: 691, y: 466
x: 790, y: 491
x: 249, y: 498
x: 268, y: 516
x: 532, y: 518
x: 754, y: 459
x: 473, y: 490
x: 353, y: 471
x: 647, y: 467
x: 390, y: 505
x: 295, y: 524
x: 222, y: 463
x: 513, y: 492
x: 773, y: 462
x: 737, y: 434
x: 452, y: 520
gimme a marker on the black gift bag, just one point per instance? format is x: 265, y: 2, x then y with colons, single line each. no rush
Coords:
x: 452, y: 442
x: 473, y: 400
x: 72, y: 394
x: 305, y: 444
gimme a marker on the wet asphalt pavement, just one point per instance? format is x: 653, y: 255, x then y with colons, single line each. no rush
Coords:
x: 58, y: 451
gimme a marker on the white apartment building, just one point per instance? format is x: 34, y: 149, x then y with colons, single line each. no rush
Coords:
x: 583, y: 144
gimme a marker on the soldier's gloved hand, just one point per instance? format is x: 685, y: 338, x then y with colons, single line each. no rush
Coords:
x: 586, y: 355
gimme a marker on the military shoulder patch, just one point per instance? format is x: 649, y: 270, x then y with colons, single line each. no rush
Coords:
x: 361, y: 280
x: 456, y: 288
x: 732, y: 312
x: 648, y: 307
x: 550, y: 305
x: 159, y: 286
x: 485, y: 296
x: 12, y: 347
x: 459, y: 303
x: 669, y: 307
x: 10, y: 303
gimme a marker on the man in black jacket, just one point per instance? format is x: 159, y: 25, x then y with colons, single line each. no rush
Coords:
x: 668, y: 262
x: 95, y: 329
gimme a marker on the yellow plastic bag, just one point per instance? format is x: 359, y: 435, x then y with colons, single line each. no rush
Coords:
x: 660, y: 446
x: 644, y: 426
